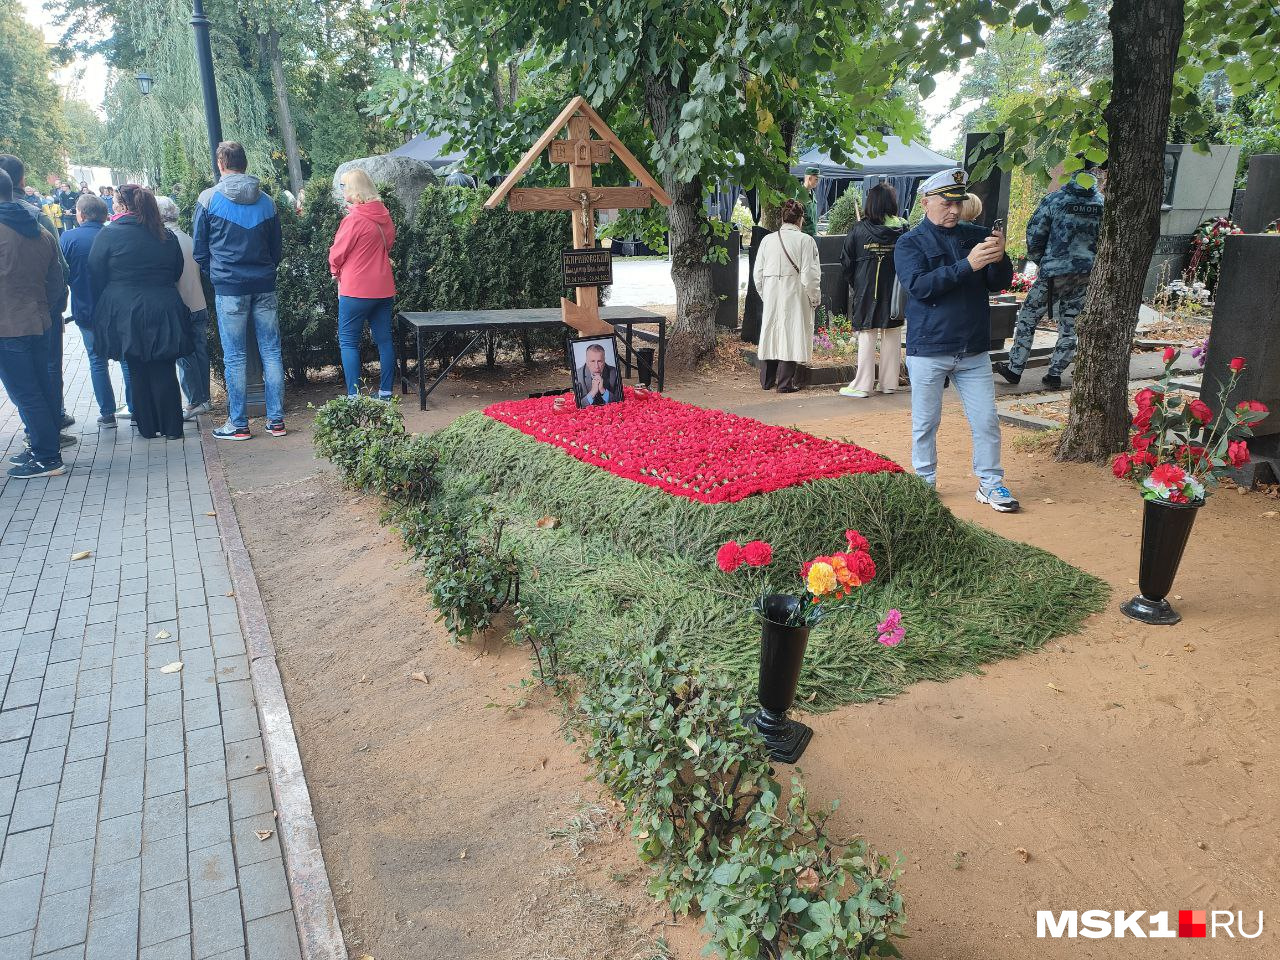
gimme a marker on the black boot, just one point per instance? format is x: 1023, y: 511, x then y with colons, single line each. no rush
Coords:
x: 1004, y: 371
x: 1052, y: 380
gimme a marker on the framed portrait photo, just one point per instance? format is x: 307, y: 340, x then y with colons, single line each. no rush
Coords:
x: 596, y: 377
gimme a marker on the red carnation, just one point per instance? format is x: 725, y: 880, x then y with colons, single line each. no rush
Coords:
x: 757, y: 553
x: 1142, y: 444
x: 729, y: 557
x: 1146, y: 397
x: 1200, y: 410
x: 1168, y: 475
x: 1121, y: 465
x: 1169, y: 355
x: 1144, y: 457
x: 1251, y: 406
x: 1236, y: 364
x: 863, y: 567
x: 856, y: 540
x: 1238, y: 453
x: 1142, y: 420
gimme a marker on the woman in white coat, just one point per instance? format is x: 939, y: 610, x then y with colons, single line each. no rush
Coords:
x: 789, y: 278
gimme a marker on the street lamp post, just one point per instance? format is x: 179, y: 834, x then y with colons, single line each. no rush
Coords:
x: 204, y: 57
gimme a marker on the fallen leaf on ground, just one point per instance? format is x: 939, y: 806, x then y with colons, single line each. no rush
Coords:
x: 229, y: 593
x: 172, y: 667
x: 364, y: 678
x: 210, y: 513
x: 1202, y: 845
x: 1189, y: 647
x: 163, y: 635
x: 1053, y: 687
x: 543, y: 763
x: 548, y: 523
x: 1132, y: 581
x: 419, y: 676
x: 1022, y: 854
x: 264, y: 834
x: 259, y: 768
x: 1271, y: 513
x: 462, y: 855
x: 82, y: 555
x: 807, y: 879
x: 1049, y: 500
x: 692, y: 745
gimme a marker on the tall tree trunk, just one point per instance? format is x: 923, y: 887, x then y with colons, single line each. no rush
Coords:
x: 1145, y: 36
x: 693, y: 333
x: 269, y: 45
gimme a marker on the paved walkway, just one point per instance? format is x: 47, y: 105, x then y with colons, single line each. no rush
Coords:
x: 132, y: 800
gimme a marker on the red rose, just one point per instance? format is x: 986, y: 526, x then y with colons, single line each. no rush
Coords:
x: 856, y: 540
x: 729, y: 557
x: 1170, y: 355
x: 1143, y: 419
x: 863, y: 567
x: 1190, y: 452
x: 1236, y: 364
x: 1146, y: 458
x: 757, y: 553
x: 1142, y: 444
x: 1200, y: 410
x: 1251, y: 406
x: 1168, y: 475
x: 1238, y: 453
x: 1146, y: 397
x: 1121, y: 465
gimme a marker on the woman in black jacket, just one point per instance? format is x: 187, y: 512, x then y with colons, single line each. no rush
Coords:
x: 868, y: 269
x: 139, y: 315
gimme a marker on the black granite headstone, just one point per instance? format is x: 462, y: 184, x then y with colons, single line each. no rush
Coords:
x: 1261, y: 202
x: 724, y: 281
x: 992, y: 190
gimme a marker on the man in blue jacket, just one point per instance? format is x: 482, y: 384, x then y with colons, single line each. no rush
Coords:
x: 236, y: 236
x: 91, y: 214
x: 1062, y: 240
x: 948, y: 269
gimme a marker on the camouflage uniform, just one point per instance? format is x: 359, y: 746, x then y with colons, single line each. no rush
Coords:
x: 1062, y: 239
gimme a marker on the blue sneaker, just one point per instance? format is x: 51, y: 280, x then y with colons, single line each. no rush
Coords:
x: 34, y: 468
x: 998, y: 498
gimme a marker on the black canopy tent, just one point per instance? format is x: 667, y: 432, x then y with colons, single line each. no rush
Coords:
x: 429, y: 148
x: 902, y: 165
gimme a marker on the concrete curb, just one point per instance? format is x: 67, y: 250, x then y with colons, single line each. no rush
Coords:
x: 319, y: 932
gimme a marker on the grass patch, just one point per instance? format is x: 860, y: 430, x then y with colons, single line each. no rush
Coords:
x: 629, y: 562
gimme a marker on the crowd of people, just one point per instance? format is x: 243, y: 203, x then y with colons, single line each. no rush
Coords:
x: 134, y: 280
x: 935, y: 279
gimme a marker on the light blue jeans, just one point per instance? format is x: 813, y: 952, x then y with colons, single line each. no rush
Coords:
x: 233, y: 327
x: 193, y: 370
x: 99, y: 375
x: 971, y: 376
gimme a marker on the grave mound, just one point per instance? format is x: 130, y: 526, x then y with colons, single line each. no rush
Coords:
x: 626, y: 560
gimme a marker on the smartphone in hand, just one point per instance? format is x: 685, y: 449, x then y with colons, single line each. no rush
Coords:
x: 998, y: 226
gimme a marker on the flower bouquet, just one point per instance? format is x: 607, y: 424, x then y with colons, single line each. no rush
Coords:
x: 1021, y: 283
x: 1177, y: 454
x: 828, y: 582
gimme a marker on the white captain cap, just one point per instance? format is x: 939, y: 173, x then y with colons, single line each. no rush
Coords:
x: 952, y: 184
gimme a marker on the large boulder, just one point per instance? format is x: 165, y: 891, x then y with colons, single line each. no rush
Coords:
x: 404, y: 176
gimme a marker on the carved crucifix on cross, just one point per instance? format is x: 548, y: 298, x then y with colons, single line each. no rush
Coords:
x: 580, y: 152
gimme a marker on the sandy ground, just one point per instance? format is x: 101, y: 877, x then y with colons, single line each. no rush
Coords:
x: 1135, y: 768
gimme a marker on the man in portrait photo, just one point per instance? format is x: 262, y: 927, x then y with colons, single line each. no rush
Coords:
x: 597, y: 381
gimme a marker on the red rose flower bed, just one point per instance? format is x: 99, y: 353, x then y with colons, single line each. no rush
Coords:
x: 704, y: 455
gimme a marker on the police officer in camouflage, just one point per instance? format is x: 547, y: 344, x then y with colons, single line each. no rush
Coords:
x: 1062, y: 239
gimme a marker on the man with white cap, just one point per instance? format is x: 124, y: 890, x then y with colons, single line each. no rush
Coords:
x: 948, y: 270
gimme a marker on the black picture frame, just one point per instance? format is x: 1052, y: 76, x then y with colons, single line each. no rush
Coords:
x: 576, y: 350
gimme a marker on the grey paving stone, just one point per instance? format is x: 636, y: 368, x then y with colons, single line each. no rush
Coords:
x: 66, y: 953
x: 8, y: 790
x: 82, y: 778
x: 201, y: 712
x: 229, y: 644
x: 19, y: 904
x: 212, y: 870
x: 164, y: 816
x: 216, y: 924
x: 264, y: 889
x: 116, y: 889
x: 17, y: 724
x: 208, y: 824
x: 120, y: 796
x: 95, y: 708
x: 251, y: 795
x: 96, y: 656
x: 42, y: 767
x: 23, y: 693
x: 25, y: 854
x: 130, y: 693
x: 164, y: 739
x: 29, y: 666
x: 274, y: 938
x: 64, y: 920
x: 70, y: 867
x: 113, y: 938
x: 13, y: 752
x: 129, y: 667
x: 244, y: 758
x: 119, y: 839
x: 17, y: 944
x: 126, y: 758
x: 128, y: 723
x: 206, y: 782
x: 33, y: 808
x: 249, y: 847
x: 205, y: 745
x: 50, y: 732
x: 240, y: 724
x: 165, y: 775
x: 176, y: 949
x: 57, y: 701
x: 165, y: 913
x: 163, y: 707
x: 164, y: 861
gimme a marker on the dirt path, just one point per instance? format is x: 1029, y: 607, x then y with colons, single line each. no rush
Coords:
x: 1144, y: 778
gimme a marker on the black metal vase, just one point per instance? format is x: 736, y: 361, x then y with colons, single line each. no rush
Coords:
x: 781, y: 655
x: 1165, y: 529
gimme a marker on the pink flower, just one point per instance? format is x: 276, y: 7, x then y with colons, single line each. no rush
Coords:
x: 890, y: 629
x: 729, y: 557
x: 856, y: 541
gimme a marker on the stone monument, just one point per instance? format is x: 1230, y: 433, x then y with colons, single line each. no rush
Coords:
x: 403, y: 176
x: 1246, y: 323
x: 993, y: 189
x: 1261, y: 203
x: 1198, y: 186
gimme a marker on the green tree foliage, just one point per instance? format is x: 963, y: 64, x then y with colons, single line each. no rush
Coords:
x: 34, y: 127
x: 85, y: 131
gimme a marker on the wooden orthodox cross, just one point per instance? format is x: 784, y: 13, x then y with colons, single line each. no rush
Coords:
x: 580, y: 151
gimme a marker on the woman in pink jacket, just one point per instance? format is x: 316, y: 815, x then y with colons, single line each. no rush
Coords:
x: 361, y: 260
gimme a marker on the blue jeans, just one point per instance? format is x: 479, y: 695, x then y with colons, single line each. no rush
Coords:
x: 24, y: 372
x: 53, y: 348
x: 99, y: 375
x: 193, y: 369
x: 352, y: 313
x: 971, y: 376
x: 233, y: 327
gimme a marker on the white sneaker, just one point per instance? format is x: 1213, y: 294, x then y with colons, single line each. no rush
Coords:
x: 850, y: 392
x: 124, y: 413
x: 999, y: 499
x: 192, y: 412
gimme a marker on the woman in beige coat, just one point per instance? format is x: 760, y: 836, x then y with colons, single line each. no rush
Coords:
x: 788, y: 276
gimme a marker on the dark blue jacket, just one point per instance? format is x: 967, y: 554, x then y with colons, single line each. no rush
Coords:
x: 947, y: 307
x: 76, y: 245
x: 236, y: 236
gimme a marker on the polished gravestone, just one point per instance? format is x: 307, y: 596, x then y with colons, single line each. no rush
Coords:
x: 1261, y: 202
x: 1197, y: 187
